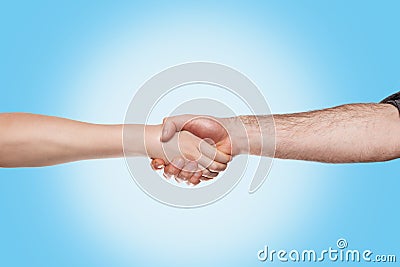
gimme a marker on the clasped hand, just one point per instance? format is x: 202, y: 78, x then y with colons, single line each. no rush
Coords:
x: 196, y: 148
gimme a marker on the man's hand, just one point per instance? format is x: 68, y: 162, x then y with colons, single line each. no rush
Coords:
x: 187, y: 152
x: 216, y: 131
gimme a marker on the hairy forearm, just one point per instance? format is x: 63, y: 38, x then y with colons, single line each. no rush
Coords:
x: 29, y: 140
x: 348, y: 133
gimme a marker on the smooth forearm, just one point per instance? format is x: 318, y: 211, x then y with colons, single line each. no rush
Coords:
x: 29, y: 140
x: 348, y: 133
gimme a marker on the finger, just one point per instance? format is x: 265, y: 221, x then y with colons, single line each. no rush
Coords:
x: 217, y: 167
x: 179, y: 180
x: 211, y: 152
x: 196, y: 178
x: 171, y: 171
x: 210, y: 164
x: 178, y: 163
x: 209, y: 174
x: 172, y: 125
x: 191, y: 166
x: 174, y: 168
x: 168, y: 131
x: 184, y: 175
x: 205, y: 179
x: 188, y: 171
x: 157, y: 164
x: 206, y: 174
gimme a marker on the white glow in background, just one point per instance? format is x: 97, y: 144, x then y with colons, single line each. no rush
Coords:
x: 109, y: 206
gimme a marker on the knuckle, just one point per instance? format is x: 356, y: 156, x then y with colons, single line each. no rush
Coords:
x: 223, y: 158
x: 222, y: 167
x: 228, y: 158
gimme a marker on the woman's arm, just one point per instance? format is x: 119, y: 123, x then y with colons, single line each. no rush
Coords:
x: 28, y: 140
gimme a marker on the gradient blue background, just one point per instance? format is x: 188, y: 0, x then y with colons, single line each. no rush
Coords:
x: 84, y: 61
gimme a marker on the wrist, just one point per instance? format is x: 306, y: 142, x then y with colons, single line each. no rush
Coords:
x: 241, y: 136
x: 252, y: 135
x: 143, y: 141
x: 152, y: 145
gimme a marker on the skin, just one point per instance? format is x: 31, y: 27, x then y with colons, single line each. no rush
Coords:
x: 197, y: 148
x: 207, y: 128
x: 29, y: 140
x: 344, y: 134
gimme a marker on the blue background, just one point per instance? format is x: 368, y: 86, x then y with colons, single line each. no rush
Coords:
x: 84, y: 61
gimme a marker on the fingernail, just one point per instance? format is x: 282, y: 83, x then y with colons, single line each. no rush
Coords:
x: 194, y: 183
x: 159, y: 167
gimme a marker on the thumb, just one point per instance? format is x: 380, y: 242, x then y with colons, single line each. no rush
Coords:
x: 172, y: 125
x: 168, y: 130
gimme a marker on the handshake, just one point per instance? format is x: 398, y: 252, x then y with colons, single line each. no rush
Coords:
x: 194, y: 148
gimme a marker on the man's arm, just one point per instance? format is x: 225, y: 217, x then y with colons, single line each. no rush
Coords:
x: 344, y: 134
